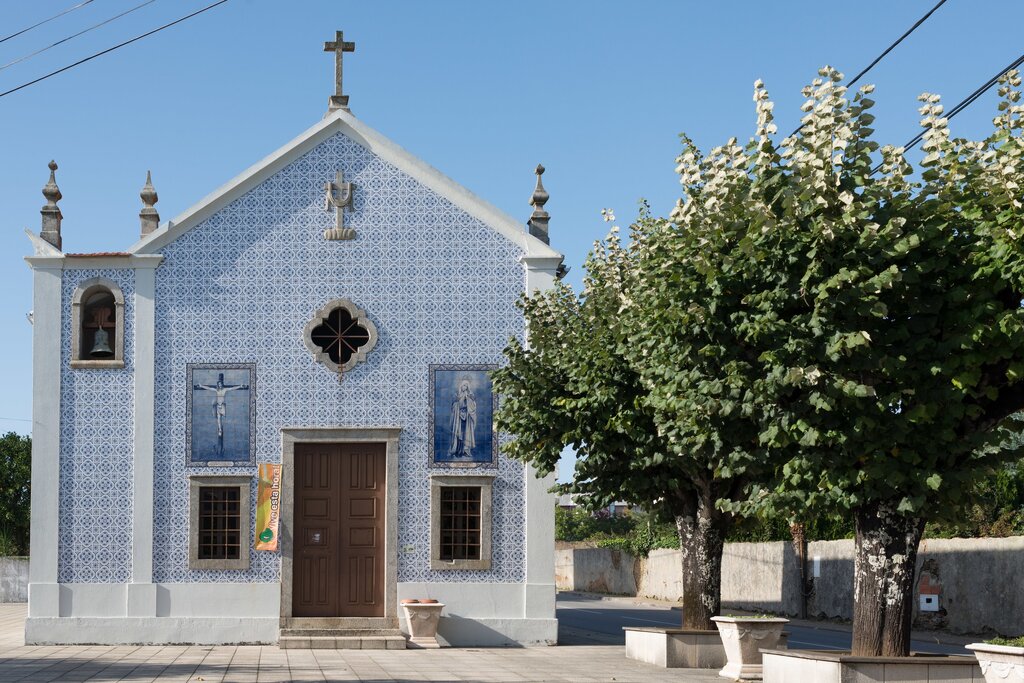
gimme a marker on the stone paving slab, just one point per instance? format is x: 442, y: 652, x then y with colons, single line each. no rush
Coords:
x: 256, y: 664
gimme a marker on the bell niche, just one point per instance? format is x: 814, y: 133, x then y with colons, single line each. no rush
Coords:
x: 97, y: 325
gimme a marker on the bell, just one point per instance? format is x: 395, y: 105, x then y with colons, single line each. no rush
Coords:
x: 101, y: 344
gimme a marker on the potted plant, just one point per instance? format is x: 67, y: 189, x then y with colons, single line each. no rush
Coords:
x: 743, y: 638
x: 423, y: 616
x: 1001, y: 659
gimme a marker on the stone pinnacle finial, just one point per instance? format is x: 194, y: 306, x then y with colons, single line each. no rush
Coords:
x: 538, y: 223
x: 149, y: 219
x: 52, y: 216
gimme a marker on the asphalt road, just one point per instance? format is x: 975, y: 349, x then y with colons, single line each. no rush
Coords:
x: 585, y: 620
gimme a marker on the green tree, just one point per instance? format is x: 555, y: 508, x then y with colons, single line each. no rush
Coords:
x: 15, y: 473
x: 587, y: 381
x: 884, y: 313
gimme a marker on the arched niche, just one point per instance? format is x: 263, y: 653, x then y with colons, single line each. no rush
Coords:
x: 97, y: 325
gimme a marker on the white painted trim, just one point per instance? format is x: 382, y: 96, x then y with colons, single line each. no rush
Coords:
x: 134, y: 262
x: 150, y: 630
x: 145, y: 386
x: 539, y: 589
x: 343, y: 122
x: 41, y: 247
x: 46, y: 368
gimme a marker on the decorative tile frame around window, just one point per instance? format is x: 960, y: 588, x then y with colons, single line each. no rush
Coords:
x: 220, y: 419
x: 440, y: 482
x: 196, y: 484
x: 365, y: 336
x: 86, y: 290
x: 450, y: 384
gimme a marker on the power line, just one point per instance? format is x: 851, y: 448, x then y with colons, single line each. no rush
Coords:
x: 887, y: 50
x: 963, y: 104
x: 44, y: 21
x: 75, y: 35
x: 16, y: 419
x: 111, y: 49
x: 898, y: 41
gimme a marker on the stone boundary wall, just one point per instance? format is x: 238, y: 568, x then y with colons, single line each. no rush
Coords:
x: 13, y: 579
x: 976, y: 581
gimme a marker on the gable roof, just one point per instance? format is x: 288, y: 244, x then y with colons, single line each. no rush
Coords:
x: 341, y: 121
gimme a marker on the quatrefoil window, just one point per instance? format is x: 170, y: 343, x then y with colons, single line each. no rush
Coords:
x: 340, y: 335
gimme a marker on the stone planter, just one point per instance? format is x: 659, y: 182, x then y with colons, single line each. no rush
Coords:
x: 678, y: 648
x: 675, y: 648
x: 743, y: 639
x: 788, y: 666
x: 423, y: 618
x: 999, y: 663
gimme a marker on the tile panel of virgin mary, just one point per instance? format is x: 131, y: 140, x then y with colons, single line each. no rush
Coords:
x: 462, y: 416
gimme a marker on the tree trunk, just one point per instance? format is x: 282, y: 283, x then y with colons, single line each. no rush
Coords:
x: 798, y: 532
x: 883, y: 571
x: 701, y: 541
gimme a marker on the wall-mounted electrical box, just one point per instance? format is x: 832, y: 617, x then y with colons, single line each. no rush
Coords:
x: 929, y: 603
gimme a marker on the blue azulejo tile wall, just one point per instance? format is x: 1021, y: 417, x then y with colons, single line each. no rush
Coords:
x: 439, y: 285
x: 96, y: 451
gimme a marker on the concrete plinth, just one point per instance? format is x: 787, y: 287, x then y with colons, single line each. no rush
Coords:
x: 786, y: 666
x: 675, y: 648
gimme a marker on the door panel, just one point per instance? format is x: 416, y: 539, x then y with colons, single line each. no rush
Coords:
x: 363, y: 530
x: 339, y: 530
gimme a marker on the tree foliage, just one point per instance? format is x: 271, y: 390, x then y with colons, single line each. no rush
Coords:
x: 802, y: 336
x: 879, y: 317
x: 15, y: 473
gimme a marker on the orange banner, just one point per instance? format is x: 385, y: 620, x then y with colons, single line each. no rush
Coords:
x: 268, y: 507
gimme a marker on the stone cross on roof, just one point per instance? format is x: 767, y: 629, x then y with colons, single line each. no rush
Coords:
x: 339, y: 47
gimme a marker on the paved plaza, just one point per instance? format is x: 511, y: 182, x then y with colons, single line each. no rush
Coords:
x: 256, y: 663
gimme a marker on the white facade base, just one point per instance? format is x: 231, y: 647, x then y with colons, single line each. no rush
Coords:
x: 475, y: 614
x: 490, y: 614
x: 150, y: 630
x: 456, y: 631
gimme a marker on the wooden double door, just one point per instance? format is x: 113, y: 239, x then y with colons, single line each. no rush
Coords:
x: 339, y: 526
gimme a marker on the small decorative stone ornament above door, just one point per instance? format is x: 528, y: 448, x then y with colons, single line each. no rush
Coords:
x: 339, y: 196
x: 340, y: 335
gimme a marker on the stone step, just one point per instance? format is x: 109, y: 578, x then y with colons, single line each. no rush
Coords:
x: 338, y: 632
x: 382, y: 642
x: 339, y: 622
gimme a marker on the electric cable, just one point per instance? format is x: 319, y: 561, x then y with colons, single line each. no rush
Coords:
x: 75, y: 35
x: 44, y: 21
x: 898, y: 41
x: 963, y: 104
x: 887, y: 50
x: 111, y: 49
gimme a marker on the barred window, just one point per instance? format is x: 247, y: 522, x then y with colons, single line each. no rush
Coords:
x: 460, y: 523
x: 220, y: 523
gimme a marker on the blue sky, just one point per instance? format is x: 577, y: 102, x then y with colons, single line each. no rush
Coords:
x: 597, y: 91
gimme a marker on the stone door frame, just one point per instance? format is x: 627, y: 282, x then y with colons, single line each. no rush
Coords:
x: 387, y: 435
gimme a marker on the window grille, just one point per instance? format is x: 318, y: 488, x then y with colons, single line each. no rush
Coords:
x: 460, y: 523
x: 220, y: 523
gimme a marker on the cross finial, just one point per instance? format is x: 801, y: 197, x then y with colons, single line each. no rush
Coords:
x: 339, y: 47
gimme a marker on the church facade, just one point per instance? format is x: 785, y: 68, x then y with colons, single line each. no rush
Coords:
x: 297, y: 431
